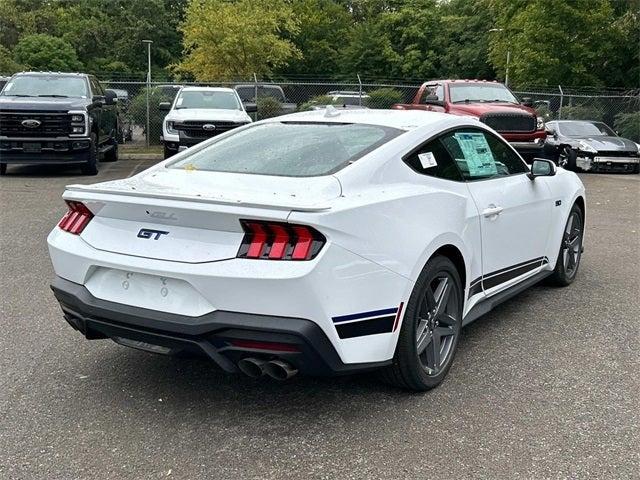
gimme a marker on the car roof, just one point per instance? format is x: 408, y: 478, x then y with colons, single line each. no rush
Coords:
x: 67, y: 74
x: 459, y: 80
x: 578, y: 121
x: 401, y: 119
x: 259, y: 85
x: 208, y: 89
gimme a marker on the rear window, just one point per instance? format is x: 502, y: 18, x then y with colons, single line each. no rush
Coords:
x: 290, y: 149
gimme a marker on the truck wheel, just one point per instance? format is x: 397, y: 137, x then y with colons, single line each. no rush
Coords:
x: 3, y: 168
x: 168, y: 153
x: 91, y: 167
x: 111, y: 155
x: 568, y: 157
x: 636, y: 168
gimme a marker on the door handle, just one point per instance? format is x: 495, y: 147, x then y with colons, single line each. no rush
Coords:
x: 492, y: 211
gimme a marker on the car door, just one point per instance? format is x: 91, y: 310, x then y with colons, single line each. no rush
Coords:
x: 514, y: 211
x: 107, y: 114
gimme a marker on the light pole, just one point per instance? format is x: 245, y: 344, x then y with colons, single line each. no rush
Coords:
x: 506, y: 70
x: 148, y: 42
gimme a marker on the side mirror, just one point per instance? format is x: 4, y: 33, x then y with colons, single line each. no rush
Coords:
x: 164, y: 106
x: 99, y: 99
x: 110, y: 97
x: 433, y: 100
x: 541, y: 167
x: 250, y: 107
x: 527, y: 102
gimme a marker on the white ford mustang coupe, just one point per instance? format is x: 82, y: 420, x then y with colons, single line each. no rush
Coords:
x: 323, y: 242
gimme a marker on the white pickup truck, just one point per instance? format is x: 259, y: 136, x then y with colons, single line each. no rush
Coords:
x: 199, y: 113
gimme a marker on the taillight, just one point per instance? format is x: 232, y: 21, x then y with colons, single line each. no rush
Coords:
x: 76, y: 218
x: 279, y: 241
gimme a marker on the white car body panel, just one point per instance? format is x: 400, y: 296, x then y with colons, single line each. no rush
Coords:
x: 382, y: 222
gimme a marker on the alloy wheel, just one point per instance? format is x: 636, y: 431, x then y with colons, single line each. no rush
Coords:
x: 572, y: 244
x: 437, y: 326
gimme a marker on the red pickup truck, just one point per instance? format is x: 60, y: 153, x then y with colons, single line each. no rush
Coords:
x: 490, y: 102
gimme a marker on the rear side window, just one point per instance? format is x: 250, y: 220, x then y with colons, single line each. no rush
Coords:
x: 479, y: 155
x: 433, y: 159
x: 288, y: 149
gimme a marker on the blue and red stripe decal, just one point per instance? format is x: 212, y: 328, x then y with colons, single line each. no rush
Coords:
x: 368, y: 323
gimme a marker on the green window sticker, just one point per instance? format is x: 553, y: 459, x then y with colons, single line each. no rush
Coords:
x: 477, y: 154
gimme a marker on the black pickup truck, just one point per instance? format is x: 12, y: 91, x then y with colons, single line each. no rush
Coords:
x: 57, y: 118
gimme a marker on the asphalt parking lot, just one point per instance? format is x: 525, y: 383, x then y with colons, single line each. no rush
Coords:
x: 545, y: 386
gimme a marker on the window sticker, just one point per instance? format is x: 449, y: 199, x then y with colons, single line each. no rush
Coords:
x: 427, y: 160
x: 477, y: 154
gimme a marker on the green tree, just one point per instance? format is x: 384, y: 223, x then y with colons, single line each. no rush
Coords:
x: 7, y: 64
x: 323, y: 27
x: 628, y: 125
x: 552, y: 41
x: 105, y: 34
x: 44, y: 52
x: 232, y: 40
x: 367, y: 51
x: 463, y: 49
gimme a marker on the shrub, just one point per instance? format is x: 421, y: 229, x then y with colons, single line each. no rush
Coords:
x: 628, y: 125
x: 268, y: 107
x: 545, y: 112
x: 582, y: 112
x: 319, y: 100
x: 384, y: 98
x: 138, y: 112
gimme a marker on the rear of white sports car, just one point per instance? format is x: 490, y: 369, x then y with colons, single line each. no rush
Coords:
x: 247, y: 268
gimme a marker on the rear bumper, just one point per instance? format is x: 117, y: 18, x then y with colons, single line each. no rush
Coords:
x: 211, y: 334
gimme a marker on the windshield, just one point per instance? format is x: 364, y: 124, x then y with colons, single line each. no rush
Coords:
x: 289, y: 149
x: 45, y: 86
x: 585, y: 129
x: 248, y: 93
x: 207, y: 99
x: 479, y: 92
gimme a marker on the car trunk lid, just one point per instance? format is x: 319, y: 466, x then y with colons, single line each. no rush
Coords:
x: 191, y: 217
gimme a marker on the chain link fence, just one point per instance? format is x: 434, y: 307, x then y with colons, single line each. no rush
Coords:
x: 619, y: 109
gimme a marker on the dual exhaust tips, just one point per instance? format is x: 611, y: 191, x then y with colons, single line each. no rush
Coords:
x: 256, y: 367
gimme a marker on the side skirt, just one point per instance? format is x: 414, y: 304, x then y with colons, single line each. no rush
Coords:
x: 486, y: 305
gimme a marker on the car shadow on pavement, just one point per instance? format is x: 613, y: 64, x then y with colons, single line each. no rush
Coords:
x: 40, y: 171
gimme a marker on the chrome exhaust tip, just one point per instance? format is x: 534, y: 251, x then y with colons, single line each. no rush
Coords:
x: 280, y: 370
x: 252, y: 367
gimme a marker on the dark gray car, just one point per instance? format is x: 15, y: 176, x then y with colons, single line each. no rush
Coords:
x: 588, y: 145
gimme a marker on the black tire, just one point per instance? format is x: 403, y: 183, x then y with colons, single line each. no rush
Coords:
x: 168, y: 153
x: 636, y: 168
x: 570, y: 254
x: 111, y: 155
x: 91, y: 167
x: 3, y: 169
x: 568, y: 155
x: 439, y: 329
